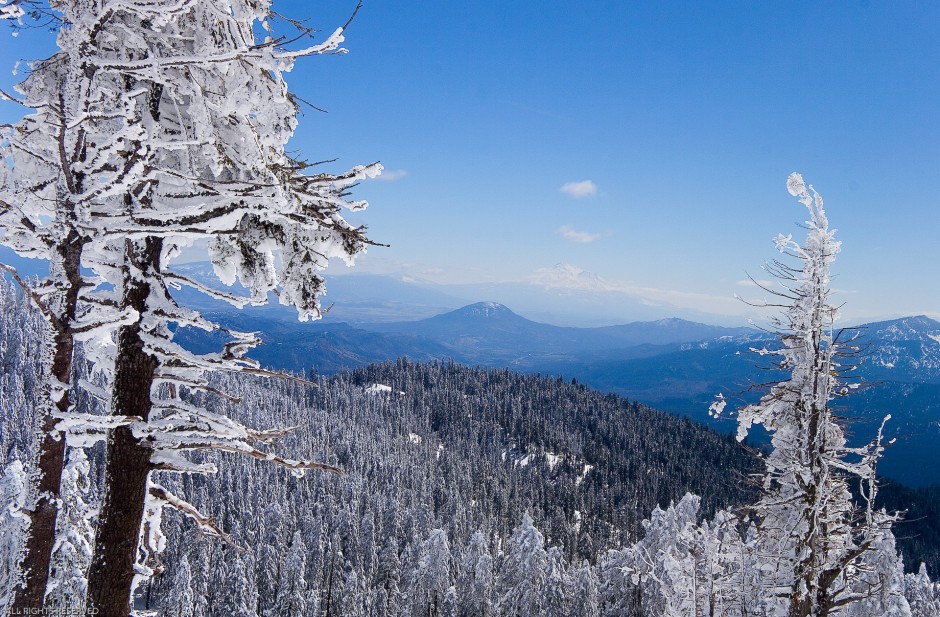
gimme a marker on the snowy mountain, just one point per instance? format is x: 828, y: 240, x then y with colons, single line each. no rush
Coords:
x: 905, y: 349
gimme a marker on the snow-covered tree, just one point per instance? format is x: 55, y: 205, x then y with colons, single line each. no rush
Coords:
x: 180, y: 601
x: 14, y: 491
x: 449, y: 606
x: 72, y: 551
x: 557, y: 593
x: 475, y: 581
x: 292, y: 593
x: 813, y: 543
x: 662, y: 565
x: 433, y: 575
x: 586, y: 596
x: 520, y: 583
x: 388, y: 575
x: 38, y: 156
x: 159, y: 124
x: 879, y: 580
x: 922, y: 594
x: 245, y: 588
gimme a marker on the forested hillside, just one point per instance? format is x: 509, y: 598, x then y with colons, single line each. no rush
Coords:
x: 443, y: 466
x: 452, y: 448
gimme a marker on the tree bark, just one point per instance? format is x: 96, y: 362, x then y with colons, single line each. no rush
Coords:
x: 40, y: 539
x: 111, y: 574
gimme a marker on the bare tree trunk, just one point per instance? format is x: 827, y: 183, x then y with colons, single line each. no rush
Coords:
x: 127, y: 469
x: 40, y: 538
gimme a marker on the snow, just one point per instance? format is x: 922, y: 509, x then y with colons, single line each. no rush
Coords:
x: 11, y: 12
x: 587, y: 469
x: 553, y: 460
x: 795, y: 184
x: 414, y: 438
x: 379, y: 388
x: 715, y: 409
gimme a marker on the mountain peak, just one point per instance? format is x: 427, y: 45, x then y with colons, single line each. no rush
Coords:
x: 485, y: 309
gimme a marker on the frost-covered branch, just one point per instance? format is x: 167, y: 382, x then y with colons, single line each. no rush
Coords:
x: 205, y: 523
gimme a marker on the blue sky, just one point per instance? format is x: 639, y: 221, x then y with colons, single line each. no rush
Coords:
x: 673, y: 124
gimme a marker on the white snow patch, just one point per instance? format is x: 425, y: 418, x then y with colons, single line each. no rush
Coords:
x: 552, y: 460
x: 935, y: 337
x: 584, y: 473
x: 414, y: 438
x: 440, y: 450
x: 525, y: 460
x: 379, y: 388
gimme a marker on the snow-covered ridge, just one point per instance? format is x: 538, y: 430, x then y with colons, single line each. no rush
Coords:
x: 909, y: 344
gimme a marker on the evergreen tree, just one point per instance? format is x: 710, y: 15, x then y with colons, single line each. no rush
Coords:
x: 557, y: 594
x: 181, y: 600
x: 475, y: 582
x: 922, y: 594
x: 73, y: 549
x: 433, y: 575
x: 14, y: 491
x: 292, y: 587
x: 449, y: 606
x: 662, y: 564
x: 520, y: 584
x: 388, y: 576
x: 586, y: 600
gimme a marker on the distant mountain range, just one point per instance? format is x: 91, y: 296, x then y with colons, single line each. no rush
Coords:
x: 562, y: 295
x: 488, y: 333
x: 671, y: 364
x: 484, y: 333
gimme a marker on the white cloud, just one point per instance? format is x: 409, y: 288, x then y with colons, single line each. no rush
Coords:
x: 579, y: 190
x: 766, y: 284
x: 391, y: 175
x: 569, y: 277
x: 581, y: 237
x: 566, y: 276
